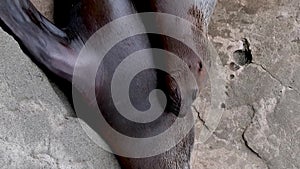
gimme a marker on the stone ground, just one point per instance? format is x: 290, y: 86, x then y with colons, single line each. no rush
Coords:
x: 259, y: 44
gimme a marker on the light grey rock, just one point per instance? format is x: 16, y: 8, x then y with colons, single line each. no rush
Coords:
x: 260, y: 128
x: 37, y: 127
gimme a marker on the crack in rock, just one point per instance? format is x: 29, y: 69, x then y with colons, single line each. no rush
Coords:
x: 274, y: 77
x: 201, y: 119
x: 246, y: 142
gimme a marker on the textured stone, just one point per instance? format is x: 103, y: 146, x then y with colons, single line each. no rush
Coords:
x: 260, y: 127
x: 37, y: 127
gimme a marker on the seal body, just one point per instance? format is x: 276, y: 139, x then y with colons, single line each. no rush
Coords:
x: 56, y: 47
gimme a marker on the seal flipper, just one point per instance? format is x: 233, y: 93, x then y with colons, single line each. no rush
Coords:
x: 46, y: 44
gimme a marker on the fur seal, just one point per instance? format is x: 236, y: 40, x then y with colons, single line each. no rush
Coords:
x: 56, y: 48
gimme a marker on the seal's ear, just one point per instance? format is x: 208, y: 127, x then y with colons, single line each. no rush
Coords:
x: 44, y: 42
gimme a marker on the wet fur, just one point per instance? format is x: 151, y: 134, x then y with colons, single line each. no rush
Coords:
x: 56, y: 48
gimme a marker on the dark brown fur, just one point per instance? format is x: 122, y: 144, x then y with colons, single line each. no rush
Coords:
x: 56, y: 48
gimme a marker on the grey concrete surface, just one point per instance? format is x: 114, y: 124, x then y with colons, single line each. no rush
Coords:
x: 259, y: 129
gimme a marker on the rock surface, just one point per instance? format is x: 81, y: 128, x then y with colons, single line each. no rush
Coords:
x: 260, y: 127
x: 37, y: 124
